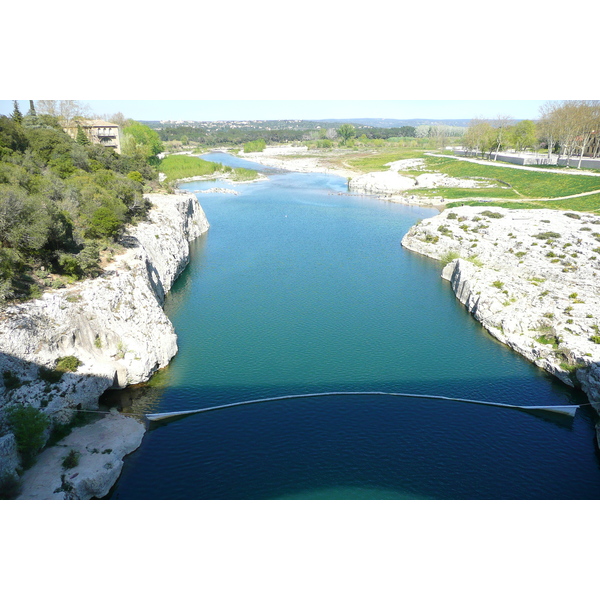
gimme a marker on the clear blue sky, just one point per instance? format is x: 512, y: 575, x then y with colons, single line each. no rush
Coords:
x: 212, y: 110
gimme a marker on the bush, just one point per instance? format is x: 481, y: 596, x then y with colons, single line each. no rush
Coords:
x: 255, y: 146
x: 135, y: 176
x: 546, y: 235
x: 49, y: 375
x: 10, y: 487
x: 324, y: 144
x: 67, y: 363
x: 105, y: 224
x: 449, y: 256
x: 11, y: 381
x: 29, y: 426
x: 62, y: 365
x: 431, y: 239
x: 71, y: 460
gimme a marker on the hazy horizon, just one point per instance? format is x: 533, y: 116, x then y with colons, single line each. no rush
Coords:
x: 310, y: 110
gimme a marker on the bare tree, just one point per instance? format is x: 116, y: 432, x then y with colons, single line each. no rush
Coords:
x: 587, y: 116
x: 478, y: 137
x: 65, y: 110
x: 48, y: 107
x: 71, y: 109
x: 574, y: 125
x: 118, y: 119
x: 548, y: 126
x: 502, y: 125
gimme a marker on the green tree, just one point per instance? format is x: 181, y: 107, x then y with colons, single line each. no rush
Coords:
x: 523, y: 135
x: 104, y: 224
x: 255, y: 146
x: 141, y: 141
x: 81, y: 138
x: 346, y: 132
x: 135, y: 176
x: 479, y: 137
x: 16, y: 115
x: 29, y: 426
x: 24, y: 220
x: 12, y: 136
x: 44, y: 141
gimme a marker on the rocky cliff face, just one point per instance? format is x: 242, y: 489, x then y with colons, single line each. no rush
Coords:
x: 113, y: 324
x: 530, y: 277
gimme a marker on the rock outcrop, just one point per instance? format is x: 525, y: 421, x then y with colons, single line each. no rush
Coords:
x: 98, y: 450
x: 402, y: 187
x: 530, y: 277
x: 382, y: 182
x: 114, y: 324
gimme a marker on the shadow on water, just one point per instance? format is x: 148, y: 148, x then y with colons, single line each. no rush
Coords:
x: 385, y: 446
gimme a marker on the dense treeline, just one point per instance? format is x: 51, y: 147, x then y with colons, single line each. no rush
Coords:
x: 62, y: 203
x: 486, y: 137
x: 229, y: 136
x: 384, y: 133
x: 240, y: 136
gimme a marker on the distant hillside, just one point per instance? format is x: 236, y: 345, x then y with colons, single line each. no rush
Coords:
x: 301, y: 125
x: 401, y: 122
x: 280, y: 124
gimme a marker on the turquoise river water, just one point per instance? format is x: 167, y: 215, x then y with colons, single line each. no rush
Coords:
x: 299, y: 288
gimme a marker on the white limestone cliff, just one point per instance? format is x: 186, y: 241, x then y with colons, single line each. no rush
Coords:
x: 530, y: 277
x: 114, y: 324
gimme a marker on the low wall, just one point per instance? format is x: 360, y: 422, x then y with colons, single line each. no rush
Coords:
x: 586, y: 163
x: 535, y: 159
x: 515, y: 159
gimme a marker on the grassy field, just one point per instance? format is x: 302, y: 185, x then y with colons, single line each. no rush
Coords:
x: 514, y: 188
x: 180, y: 166
x: 376, y: 161
x: 589, y: 203
x: 527, y: 184
x: 459, y: 193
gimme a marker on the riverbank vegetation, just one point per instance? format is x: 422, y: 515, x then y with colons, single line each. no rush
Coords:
x: 181, y: 166
x: 255, y: 146
x: 63, y: 201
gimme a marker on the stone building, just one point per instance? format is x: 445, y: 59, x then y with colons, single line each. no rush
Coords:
x: 98, y: 132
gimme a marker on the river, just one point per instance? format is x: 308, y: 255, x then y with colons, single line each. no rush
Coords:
x: 300, y: 288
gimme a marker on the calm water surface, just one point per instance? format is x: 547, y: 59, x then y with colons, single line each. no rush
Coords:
x: 297, y: 288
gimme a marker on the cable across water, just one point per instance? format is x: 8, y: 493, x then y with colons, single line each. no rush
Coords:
x: 569, y: 410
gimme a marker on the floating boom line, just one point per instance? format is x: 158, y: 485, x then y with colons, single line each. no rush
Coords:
x: 569, y: 410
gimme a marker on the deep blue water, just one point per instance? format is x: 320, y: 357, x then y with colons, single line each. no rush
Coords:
x: 297, y: 288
